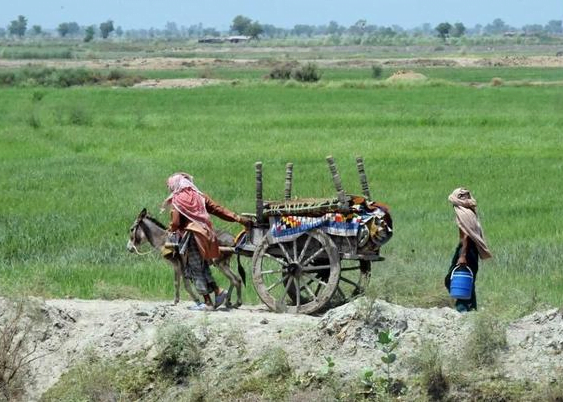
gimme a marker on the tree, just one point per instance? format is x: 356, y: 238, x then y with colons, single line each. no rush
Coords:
x: 241, y: 24
x: 106, y: 28
x: 332, y: 28
x: 210, y: 32
x: 554, y: 27
x: 302, y: 29
x: 444, y: 29
x: 458, y: 30
x: 497, y: 27
x: 119, y: 31
x: 254, y: 30
x: 68, y: 28
x: 62, y: 29
x: 358, y: 28
x: 171, y: 29
x: 37, y: 30
x: 89, y: 33
x: 18, y: 27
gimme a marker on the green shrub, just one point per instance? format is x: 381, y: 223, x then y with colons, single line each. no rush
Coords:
x: 18, y: 320
x: 307, y: 73
x: 283, y: 71
x: 376, y: 71
x: 33, y: 119
x: 78, y: 116
x: 7, y: 78
x: 179, y: 353
x: 101, y: 379
x: 428, y: 365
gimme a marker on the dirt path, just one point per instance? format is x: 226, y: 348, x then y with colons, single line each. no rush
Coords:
x: 171, y: 63
x: 113, y: 328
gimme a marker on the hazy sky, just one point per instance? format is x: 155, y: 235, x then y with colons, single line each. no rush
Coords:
x: 131, y: 14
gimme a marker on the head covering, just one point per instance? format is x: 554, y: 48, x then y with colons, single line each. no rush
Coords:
x: 187, y: 199
x: 465, y: 207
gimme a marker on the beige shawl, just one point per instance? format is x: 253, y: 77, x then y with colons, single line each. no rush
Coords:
x: 466, y: 218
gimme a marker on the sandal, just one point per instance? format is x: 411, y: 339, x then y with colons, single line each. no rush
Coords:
x: 200, y: 306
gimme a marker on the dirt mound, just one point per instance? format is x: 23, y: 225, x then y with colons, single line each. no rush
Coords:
x: 178, y: 83
x: 64, y: 329
x: 403, y: 75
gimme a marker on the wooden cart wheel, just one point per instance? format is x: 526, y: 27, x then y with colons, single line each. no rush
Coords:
x: 298, y: 276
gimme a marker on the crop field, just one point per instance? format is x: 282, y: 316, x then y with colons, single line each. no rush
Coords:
x: 78, y: 164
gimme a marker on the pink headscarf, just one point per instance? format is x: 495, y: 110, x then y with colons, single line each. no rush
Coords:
x: 186, y: 198
x: 465, y: 207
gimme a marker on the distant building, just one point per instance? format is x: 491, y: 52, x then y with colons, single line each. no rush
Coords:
x: 210, y: 40
x: 231, y: 39
x: 238, y: 38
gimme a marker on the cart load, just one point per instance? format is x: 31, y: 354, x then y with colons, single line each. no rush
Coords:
x: 312, y: 254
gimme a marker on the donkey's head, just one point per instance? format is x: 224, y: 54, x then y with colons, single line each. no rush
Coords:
x: 137, y: 234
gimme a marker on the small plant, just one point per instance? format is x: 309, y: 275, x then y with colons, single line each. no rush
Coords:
x: 428, y: 364
x: 179, y: 354
x: 376, y: 71
x: 17, y: 349
x: 206, y: 73
x: 275, y: 364
x: 387, y: 344
x: 497, y: 82
x: 328, y: 368
x: 485, y: 340
x: 79, y: 117
x: 33, y: 119
x: 37, y: 96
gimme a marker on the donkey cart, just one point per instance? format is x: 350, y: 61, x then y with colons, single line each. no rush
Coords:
x: 312, y: 254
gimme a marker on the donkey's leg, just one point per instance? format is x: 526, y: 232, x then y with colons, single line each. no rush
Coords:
x: 190, y: 290
x: 223, y: 265
x: 187, y: 284
x: 177, y: 278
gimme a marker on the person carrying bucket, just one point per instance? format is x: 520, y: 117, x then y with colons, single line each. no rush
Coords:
x: 460, y: 280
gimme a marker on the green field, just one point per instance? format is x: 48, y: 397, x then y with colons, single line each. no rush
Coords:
x: 78, y: 164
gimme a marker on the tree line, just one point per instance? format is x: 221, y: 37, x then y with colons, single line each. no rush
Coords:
x: 252, y: 29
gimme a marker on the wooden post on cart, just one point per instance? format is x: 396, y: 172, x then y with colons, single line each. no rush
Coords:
x: 337, y: 183
x: 259, y: 198
x: 288, y: 180
x: 363, y: 178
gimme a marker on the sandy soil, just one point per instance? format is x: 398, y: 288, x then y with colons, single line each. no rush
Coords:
x: 170, y: 63
x: 348, y: 333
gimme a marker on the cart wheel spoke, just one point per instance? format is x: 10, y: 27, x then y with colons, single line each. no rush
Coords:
x: 315, y: 268
x: 284, y: 251
x: 356, y: 285
x: 318, y: 281
x: 276, y: 283
x: 311, y: 258
x: 276, y: 259
x: 282, y: 300
x: 298, y: 292
x: 308, y: 289
x: 304, y: 249
x: 272, y: 271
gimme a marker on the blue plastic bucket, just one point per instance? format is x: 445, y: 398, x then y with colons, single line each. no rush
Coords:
x: 461, y: 284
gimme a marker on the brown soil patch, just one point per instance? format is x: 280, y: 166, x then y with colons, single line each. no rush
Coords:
x: 402, y: 75
x: 171, y: 63
x: 178, y: 83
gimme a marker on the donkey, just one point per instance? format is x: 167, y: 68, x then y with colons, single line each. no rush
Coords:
x: 147, y: 228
